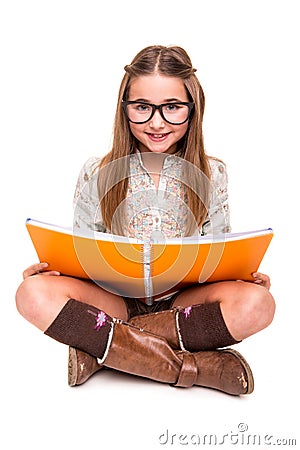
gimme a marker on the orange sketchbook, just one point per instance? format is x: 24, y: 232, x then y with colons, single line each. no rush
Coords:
x: 148, y: 269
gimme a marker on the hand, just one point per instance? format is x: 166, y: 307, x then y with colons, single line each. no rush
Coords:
x: 39, y: 268
x: 262, y: 279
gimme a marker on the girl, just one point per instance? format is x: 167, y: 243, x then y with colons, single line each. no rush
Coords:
x: 157, y: 178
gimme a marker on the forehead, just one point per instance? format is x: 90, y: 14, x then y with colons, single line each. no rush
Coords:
x: 157, y: 88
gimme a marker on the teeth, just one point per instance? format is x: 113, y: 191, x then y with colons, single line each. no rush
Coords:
x: 158, y: 135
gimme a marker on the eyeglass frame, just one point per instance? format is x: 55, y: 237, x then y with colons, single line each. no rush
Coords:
x: 154, y: 107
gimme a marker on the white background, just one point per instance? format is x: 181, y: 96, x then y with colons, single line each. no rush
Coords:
x: 61, y: 66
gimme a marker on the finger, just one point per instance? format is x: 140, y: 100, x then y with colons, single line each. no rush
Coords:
x: 256, y: 275
x: 35, y: 269
x: 262, y: 279
x: 259, y: 275
x: 51, y: 273
x: 41, y: 269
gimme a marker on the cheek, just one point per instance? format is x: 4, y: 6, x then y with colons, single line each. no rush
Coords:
x: 182, y: 131
x: 135, y: 129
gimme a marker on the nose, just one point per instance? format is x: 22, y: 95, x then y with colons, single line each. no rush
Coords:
x: 157, y: 120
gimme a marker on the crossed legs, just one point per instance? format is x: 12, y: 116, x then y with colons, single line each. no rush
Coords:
x: 209, y: 317
x: 247, y: 308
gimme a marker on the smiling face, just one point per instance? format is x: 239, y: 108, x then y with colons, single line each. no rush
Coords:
x: 157, y: 135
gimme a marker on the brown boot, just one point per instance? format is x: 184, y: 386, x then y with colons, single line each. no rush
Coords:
x: 145, y: 354
x: 236, y: 379
x: 132, y: 350
x: 81, y: 366
x: 225, y: 370
x: 162, y: 323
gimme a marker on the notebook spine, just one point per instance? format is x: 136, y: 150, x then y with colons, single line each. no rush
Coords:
x: 148, y: 286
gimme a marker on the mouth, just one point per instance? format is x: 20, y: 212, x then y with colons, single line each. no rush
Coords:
x: 157, y: 137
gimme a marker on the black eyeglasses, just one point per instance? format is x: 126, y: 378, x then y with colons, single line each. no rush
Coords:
x: 175, y: 113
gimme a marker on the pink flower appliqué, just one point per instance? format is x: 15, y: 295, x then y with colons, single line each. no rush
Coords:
x: 187, y: 311
x: 100, y: 320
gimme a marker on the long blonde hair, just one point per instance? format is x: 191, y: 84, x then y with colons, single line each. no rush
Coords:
x: 170, y: 61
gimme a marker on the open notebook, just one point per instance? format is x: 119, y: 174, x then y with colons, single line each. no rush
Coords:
x: 148, y: 269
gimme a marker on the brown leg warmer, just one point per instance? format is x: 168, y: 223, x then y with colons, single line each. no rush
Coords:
x: 202, y: 327
x: 82, y: 326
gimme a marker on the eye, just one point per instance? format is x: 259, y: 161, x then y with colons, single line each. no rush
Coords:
x: 141, y: 107
x: 172, y: 107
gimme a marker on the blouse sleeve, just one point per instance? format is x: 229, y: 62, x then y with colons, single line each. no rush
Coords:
x: 218, y: 217
x: 87, y: 212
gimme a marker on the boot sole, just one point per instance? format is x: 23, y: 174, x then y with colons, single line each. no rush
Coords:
x: 72, y: 367
x: 246, y: 367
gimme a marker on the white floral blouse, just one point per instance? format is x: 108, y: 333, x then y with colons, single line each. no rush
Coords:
x: 148, y: 208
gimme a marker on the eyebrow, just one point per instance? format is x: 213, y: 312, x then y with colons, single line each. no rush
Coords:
x: 167, y: 100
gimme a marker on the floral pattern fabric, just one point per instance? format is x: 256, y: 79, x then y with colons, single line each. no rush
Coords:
x: 149, y: 209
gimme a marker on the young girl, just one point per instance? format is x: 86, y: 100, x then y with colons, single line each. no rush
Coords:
x: 157, y: 178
